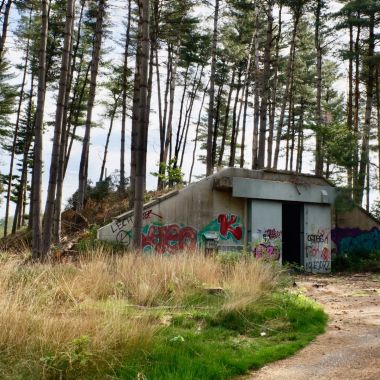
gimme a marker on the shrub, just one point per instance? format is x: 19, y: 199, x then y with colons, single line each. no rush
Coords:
x: 357, y: 261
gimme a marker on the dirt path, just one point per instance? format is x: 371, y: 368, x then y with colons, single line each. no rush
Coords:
x: 350, y: 349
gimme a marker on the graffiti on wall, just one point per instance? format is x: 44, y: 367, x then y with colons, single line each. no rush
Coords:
x: 317, y: 250
x: 318, y: 266
x: 168, y: 239
x: 349, y: 240
x: 228, y: 226
x: 267, y: 244
x: 122, y: 229
x: 164, y: 238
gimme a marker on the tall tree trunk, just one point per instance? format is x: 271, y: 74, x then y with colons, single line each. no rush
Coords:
x: 122, y: 183
x: 141, y: 148
x: 318, y: 116
x: 368, y: 187
x: 272, y: 116
x: 180, y: 128
x: 256, y: 105
x: 216, y: 123
x: 234, y: 125
x: 135, y: 118
x: 226, y: 118
x: 54, y: 169
x: 357, y: 111
x: 4, y: 33
x: 102, y: 170
x: 300, y: 146
x: 57, y: 224
x: 80, y: 97
x: 169, y: 128
x: 350, y: 99
x: 378, y: 120
x: 197, y: 132
x: 15, y: 136
x: 163, y: 126
x: 189, y: 113
x: 265, y: 87
x: 211, y: 111
x: 247, y: 82
x: 364, y: 157
x: 24, y: 171
x: 38, y: 131
x: 289, y: 70
x: 83, y: 167
x: 242, y: 154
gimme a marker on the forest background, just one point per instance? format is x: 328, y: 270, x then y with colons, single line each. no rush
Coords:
x: 290, y: 84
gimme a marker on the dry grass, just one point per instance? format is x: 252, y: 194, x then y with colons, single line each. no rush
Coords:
x: 51, y: 324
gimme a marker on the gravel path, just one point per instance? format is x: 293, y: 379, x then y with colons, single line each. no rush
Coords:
x: 350, y: 348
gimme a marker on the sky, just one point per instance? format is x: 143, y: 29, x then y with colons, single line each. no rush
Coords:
x: 98, y: 135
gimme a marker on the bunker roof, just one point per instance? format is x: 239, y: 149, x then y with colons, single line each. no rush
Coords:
x: 223, y: 181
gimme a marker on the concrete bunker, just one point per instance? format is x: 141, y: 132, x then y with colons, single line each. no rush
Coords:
x: 282, y: 216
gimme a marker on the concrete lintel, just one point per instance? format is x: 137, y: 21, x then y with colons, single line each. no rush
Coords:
x: 282, y: 191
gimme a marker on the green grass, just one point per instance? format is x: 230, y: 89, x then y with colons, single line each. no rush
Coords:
x: 148, y: 317
x: 222, y: 344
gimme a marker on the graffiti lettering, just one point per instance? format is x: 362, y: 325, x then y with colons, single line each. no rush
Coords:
x: 315, y: 251
x: 353, y: 239
x: 318, y: 266
x: 228, y: 228
x: 168, y: 239
x: 228, y: 224
x: 318, y: 238
x: 119, y: 225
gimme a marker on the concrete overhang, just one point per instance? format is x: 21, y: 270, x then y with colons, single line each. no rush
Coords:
x: 282, y: 191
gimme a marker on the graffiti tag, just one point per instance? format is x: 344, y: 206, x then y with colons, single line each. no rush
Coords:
x: 168, y: 239
x: 229, y: 225
x: 268, y: 245
x: 118, y: 225
x: 318, y: 266
x: 353, y: 239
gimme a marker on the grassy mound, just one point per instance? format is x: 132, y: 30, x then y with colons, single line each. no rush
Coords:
x: 128, y: 317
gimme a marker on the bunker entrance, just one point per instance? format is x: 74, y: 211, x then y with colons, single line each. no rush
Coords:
x: 292, y: 233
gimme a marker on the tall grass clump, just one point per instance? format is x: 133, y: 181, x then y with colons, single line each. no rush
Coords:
x: 84, y: 319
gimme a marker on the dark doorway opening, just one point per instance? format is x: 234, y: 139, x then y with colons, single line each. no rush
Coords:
x: 291, y: 233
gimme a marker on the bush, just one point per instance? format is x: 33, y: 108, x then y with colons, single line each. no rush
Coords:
x: 357, y: 261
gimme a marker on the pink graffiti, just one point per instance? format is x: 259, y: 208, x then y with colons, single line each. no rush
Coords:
x: 267, y: 251
x: 273, y: 233
x: 227, y: 226
x: 169, y: 239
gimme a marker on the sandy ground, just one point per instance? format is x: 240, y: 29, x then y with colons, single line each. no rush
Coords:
x: 350, y: 348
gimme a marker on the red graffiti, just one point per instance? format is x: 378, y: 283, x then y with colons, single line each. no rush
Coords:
x: 227, y: 225
x: 169, y: 239
x: 273, y: 234
x: 325, y: 254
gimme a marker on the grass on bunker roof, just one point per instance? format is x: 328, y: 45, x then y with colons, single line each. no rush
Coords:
x: 148, y: 317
